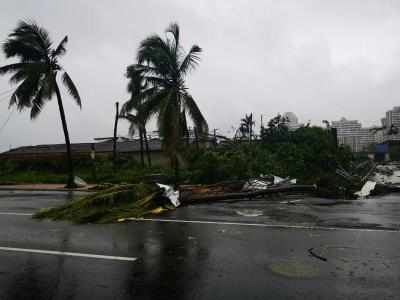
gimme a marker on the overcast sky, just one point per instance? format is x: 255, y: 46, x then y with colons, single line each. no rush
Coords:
x: 319, y: 59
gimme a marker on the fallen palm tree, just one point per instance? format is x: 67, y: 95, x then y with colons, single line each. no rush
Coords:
x: 110, y: 205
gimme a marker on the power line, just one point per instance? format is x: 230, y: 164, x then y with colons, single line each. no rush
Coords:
x: 8, y: 119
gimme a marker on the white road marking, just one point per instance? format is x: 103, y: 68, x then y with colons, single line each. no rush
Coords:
x: 16, y: 214
x: 282, y: 226
x: 63, y: 253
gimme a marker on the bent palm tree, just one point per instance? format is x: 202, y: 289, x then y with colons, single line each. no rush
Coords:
x: 137, y: 87
x: 164, y: 65
x: 36, y: 75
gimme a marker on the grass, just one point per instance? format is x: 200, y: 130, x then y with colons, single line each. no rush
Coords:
x: 32, y: 177
x: 35, y: 172
x: 110, y: 205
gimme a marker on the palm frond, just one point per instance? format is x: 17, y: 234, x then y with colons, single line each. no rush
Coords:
x: 29, y: 42
x: 158, y: 81
x: 156, y: 52
x: 25, y: 92
x: 36, y: 69
x: 173, y: 29
x: 73, y: 91
x: 154, y: 103
x: 195, y: 114
x: 37, y: 104
x: 191, y: 60
x: 133, y: 120
x: 12, y: 68
x: 60, y: 50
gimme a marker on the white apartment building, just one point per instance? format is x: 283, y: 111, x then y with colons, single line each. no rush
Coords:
x: 351, y: 133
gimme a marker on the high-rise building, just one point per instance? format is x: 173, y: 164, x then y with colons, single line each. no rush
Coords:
x: 392, y: 125
x: 348, y: 133
x: 351, y: 133
x: 367, y: 138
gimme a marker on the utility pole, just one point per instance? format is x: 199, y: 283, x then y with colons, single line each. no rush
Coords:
x: 115, y: 132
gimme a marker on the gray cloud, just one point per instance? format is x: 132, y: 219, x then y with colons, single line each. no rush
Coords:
x: 320, y: 59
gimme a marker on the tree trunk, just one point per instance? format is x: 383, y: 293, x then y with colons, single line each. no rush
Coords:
x: 187, y: 136
x: 176, y: 170
x: 147, y: 147
x: 115, y: 134
x: 196, y: 136
x: 141, y: 147
x: 70, y: 181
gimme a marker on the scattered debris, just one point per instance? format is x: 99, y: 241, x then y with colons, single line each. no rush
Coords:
x: 101, y: 186
x: 171, y: 194
x: 79, y: 182
x: 387, y: 174
x: 366, y: 189
x: 265, y: 182
x: 312, y: 253
x: 256, y: 185
x: 240, y: 190
x: 249, y: 212
x: 294, y: 269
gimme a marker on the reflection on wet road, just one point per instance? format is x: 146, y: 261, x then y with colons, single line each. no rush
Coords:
x: 205, y: 261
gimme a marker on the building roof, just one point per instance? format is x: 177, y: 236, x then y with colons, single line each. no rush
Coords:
x: 102, y: 147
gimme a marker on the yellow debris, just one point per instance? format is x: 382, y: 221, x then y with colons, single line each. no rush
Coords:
x: 158, y: 210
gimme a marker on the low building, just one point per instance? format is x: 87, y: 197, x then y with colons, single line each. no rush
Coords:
x: 100, y: 149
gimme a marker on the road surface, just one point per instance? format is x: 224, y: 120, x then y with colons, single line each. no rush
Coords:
x: 240, y: 250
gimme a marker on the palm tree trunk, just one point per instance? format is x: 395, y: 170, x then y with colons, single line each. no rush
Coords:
x: 141, y: 147
x: 115, y: 134
x: 176, y: 169
x: 196, y: 136
x: 70, y: 181
x: 146, y: 141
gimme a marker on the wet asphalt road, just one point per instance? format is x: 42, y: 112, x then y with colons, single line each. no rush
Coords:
x: 216, y: 260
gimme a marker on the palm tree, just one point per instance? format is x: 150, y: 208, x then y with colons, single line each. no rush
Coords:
x: 136, y: 87
x: 246, y: 126
x: 165, y: 65
x: 36, y: 75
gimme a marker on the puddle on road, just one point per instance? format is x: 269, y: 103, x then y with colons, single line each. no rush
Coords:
x: 294, y: 269
x: 249, y: 212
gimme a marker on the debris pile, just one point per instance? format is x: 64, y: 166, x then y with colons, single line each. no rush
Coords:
x: 253, y: 188
x: 387, y: 174
x: 367, y: 179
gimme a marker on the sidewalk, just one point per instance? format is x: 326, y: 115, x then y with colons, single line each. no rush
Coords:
x: 43, y: 187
